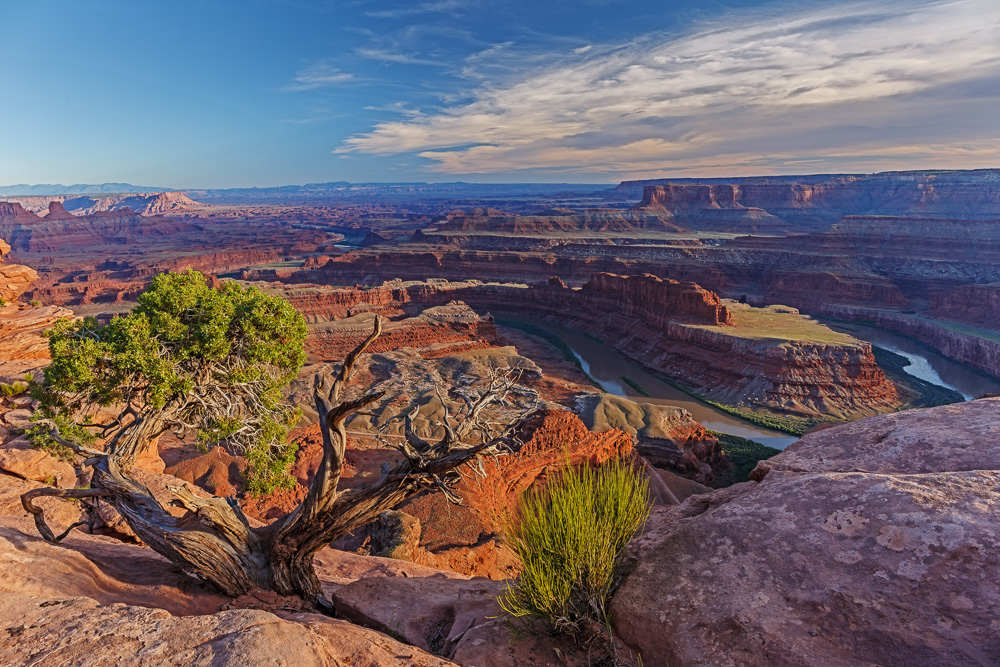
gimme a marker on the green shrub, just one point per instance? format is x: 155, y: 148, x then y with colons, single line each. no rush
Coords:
x: 35, y: 303
x: 13, y: 389
x: 570, y: 537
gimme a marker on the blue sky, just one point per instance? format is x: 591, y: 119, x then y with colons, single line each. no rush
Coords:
x: 227, y: 93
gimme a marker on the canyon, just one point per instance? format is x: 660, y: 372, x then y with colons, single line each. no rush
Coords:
x: 850, y: 546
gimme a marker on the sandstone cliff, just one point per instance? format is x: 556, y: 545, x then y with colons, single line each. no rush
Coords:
x: 978, y: 305
x: 802, y: 204
x: 677, y: 329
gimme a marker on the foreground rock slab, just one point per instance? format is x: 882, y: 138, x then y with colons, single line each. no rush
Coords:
x: 877, y: 542
x: 80, y: 631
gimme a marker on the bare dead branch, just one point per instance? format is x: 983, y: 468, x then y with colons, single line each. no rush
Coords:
x: 39, y: 515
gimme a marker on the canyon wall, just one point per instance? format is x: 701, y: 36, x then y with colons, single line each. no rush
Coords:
x: 678, y: 330
x: 155, y: 203
x: 802, y: 204
x: 978, y: 305
x: 109, y: 256
x: 799, y: 376
x: 980, y: 353
x: 29, y: 233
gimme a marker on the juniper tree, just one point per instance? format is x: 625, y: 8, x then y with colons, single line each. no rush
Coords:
x: 213, y: 361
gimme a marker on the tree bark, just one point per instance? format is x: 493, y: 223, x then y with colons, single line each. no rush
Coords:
x: 214, y: 540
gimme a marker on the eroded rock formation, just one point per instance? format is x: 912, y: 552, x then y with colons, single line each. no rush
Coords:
x: 868, y: 543
x: 14, y: 278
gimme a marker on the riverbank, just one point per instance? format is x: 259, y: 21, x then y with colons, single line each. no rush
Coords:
x: 620, y: 376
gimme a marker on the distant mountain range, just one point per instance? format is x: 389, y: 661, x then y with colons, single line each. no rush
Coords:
x: 50, y: 190
x: 343, y: 190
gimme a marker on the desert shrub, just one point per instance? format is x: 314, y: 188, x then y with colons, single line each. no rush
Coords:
x: 35, y: 303
x: 570, y: 537
x: 13, y: 389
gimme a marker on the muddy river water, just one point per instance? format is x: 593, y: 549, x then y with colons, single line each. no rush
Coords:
x: 608, y: 366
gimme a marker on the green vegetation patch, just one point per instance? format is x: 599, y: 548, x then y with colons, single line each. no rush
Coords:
x: 744, y: 454
x: 783, y: 423
x: 570, y: 537
x: 780, y: 323
x: 215, y: 360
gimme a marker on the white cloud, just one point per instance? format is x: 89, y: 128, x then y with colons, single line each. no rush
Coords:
x: 854, y: 84
x: 318, y: 75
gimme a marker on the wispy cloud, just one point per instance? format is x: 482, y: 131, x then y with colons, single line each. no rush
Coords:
x: 387, y: 56
x: 319, y: 74
x: 433, y: 7
x: 858, y: 84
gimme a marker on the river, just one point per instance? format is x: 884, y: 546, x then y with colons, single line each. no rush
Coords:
x: 925, y: 363
x: 607, y: 366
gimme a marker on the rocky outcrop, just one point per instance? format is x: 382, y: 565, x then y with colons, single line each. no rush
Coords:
x: 668, y: 437
x: 14, y: 278
x: 731, y: 363
x: 868, y: 543
x: 18, y: 458
x: 23, y: 348
x: 58, y: 212
x: 100, y: 599
x: 652, y: 301
x: 679, y: 330
x: 437, y: 331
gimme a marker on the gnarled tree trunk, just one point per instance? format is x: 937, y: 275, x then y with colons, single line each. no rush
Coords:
x: 214, y: 540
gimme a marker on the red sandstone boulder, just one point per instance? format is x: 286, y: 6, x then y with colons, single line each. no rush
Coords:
x: 17, y: 457
x: 869, y: 543
x: 216, y: 471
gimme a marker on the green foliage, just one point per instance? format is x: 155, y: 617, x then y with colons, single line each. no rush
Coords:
x: 40, y: 436
x: 35, y: 303
x: 29, y: 377
x: 784, y: 423
x: 3, y: 302
x: 13, y: 389
x: 190, y: 355
x: 570, y: 537
x: 744, y: 454
x: 270, y: 456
